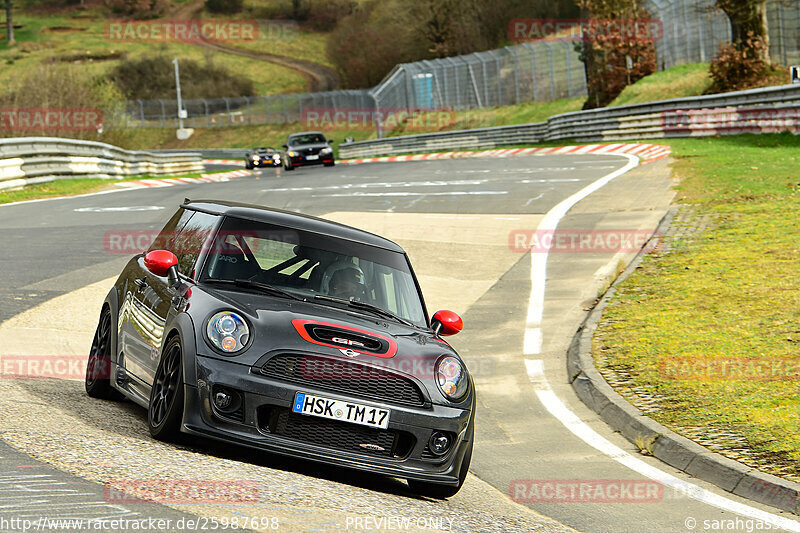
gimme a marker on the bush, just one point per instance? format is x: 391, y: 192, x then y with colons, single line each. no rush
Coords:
x: 153, y: 77
x: 607, y: 54
x: 228, y: 7
x: 53, y: 87
x: 138, y: 9
x: 326, y: 14
x: 738, y: 67
x: 367, y: 44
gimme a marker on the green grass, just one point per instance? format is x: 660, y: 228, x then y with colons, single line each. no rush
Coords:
x: 35, y: 45
x: 677, y: 82
x: 67, y: 187
x: 726, y: 295
x: 276, y: 134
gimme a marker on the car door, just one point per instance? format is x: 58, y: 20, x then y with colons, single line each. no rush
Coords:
x: 160, y: 297
x: 140, y: 326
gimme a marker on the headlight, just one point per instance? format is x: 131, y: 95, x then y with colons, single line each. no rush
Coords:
x: 255, y: 158
x: 292, y: 154
x: 227, y: 331
x: 451, y: 377
x: 276, y: 157
x: 326, y: 150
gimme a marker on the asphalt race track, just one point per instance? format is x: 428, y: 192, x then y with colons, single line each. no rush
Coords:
x: 459, y: 221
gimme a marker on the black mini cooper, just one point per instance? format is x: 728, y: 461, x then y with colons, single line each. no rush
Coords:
x: 290, y: 334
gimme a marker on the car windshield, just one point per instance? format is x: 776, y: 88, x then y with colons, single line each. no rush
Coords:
x: 309, y: 264
x: 309, y: 138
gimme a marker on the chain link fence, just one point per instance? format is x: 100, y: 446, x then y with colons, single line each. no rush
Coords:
x: 540, y: 71
x: 695, y: 29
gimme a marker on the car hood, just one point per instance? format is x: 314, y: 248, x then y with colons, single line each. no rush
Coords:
x: 281, y: 324
x: 299, y: 147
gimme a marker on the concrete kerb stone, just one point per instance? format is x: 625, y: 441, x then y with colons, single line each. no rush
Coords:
x: 659, y: 441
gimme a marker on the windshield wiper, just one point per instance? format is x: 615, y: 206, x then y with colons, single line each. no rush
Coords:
x: 250, y: 284
x: 365, y: 307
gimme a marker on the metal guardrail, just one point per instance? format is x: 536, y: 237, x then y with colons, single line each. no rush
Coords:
x: 753, y: 111
x: 27, y: 160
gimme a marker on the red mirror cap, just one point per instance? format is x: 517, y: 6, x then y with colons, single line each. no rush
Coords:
x: 451, y: 322
x: 160, y: 261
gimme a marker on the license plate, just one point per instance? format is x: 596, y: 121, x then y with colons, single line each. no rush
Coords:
x: 356, y: 413
x: 312, y: 157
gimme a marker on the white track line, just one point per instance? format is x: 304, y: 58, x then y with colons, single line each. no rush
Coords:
x: 579, y: 428
x: 557, y: 408
x: 533, y: 335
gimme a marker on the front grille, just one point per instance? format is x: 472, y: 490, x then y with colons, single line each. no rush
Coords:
x: 335, y: 434
x: 343, y: 376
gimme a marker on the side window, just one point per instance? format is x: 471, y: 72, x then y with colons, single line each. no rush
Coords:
x: 189, y: 241
x: 167, y: 235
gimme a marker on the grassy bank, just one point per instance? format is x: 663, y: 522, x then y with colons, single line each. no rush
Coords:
x: 710, y: 327
x: 66, y: 187
x: 83, y: 38
x: 276, y: 134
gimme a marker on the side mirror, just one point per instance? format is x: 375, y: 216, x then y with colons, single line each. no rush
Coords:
x: 285, y: 147
x: 331, y: 141
x: 162, y: 263
x: 446, y: 323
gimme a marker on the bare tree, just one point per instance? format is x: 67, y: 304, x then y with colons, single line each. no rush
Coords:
x: 748, y: 20
x: 9, y: 24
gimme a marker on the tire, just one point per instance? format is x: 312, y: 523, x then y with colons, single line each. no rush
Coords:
x: 439, y: 491
x: 98, y: 369
x: 165, y: 412
x: 329, y: 164
x: 288, y: 166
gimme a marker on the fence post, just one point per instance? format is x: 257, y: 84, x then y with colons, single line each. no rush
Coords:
x: 208, y: 118
x: 163, y: 113
x: 485, y: 80
x: 529, y: 46
x: 516, y: 73
x: 569, y: 74
x: 141, y: 112
x: 552, y: 72
x: 285, y: 111
x: 475, y: 85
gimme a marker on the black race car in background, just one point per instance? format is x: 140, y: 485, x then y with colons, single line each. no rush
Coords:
x: 293, y: 335
x: 262, y: 157
x: 307, y: 148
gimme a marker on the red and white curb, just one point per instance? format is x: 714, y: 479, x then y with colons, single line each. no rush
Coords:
x: 169, y: 182
x: 647, y: 153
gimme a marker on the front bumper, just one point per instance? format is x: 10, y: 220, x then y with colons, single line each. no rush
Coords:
x: 301, y: 160
x: 266, y: 163
x: 265, y: 398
